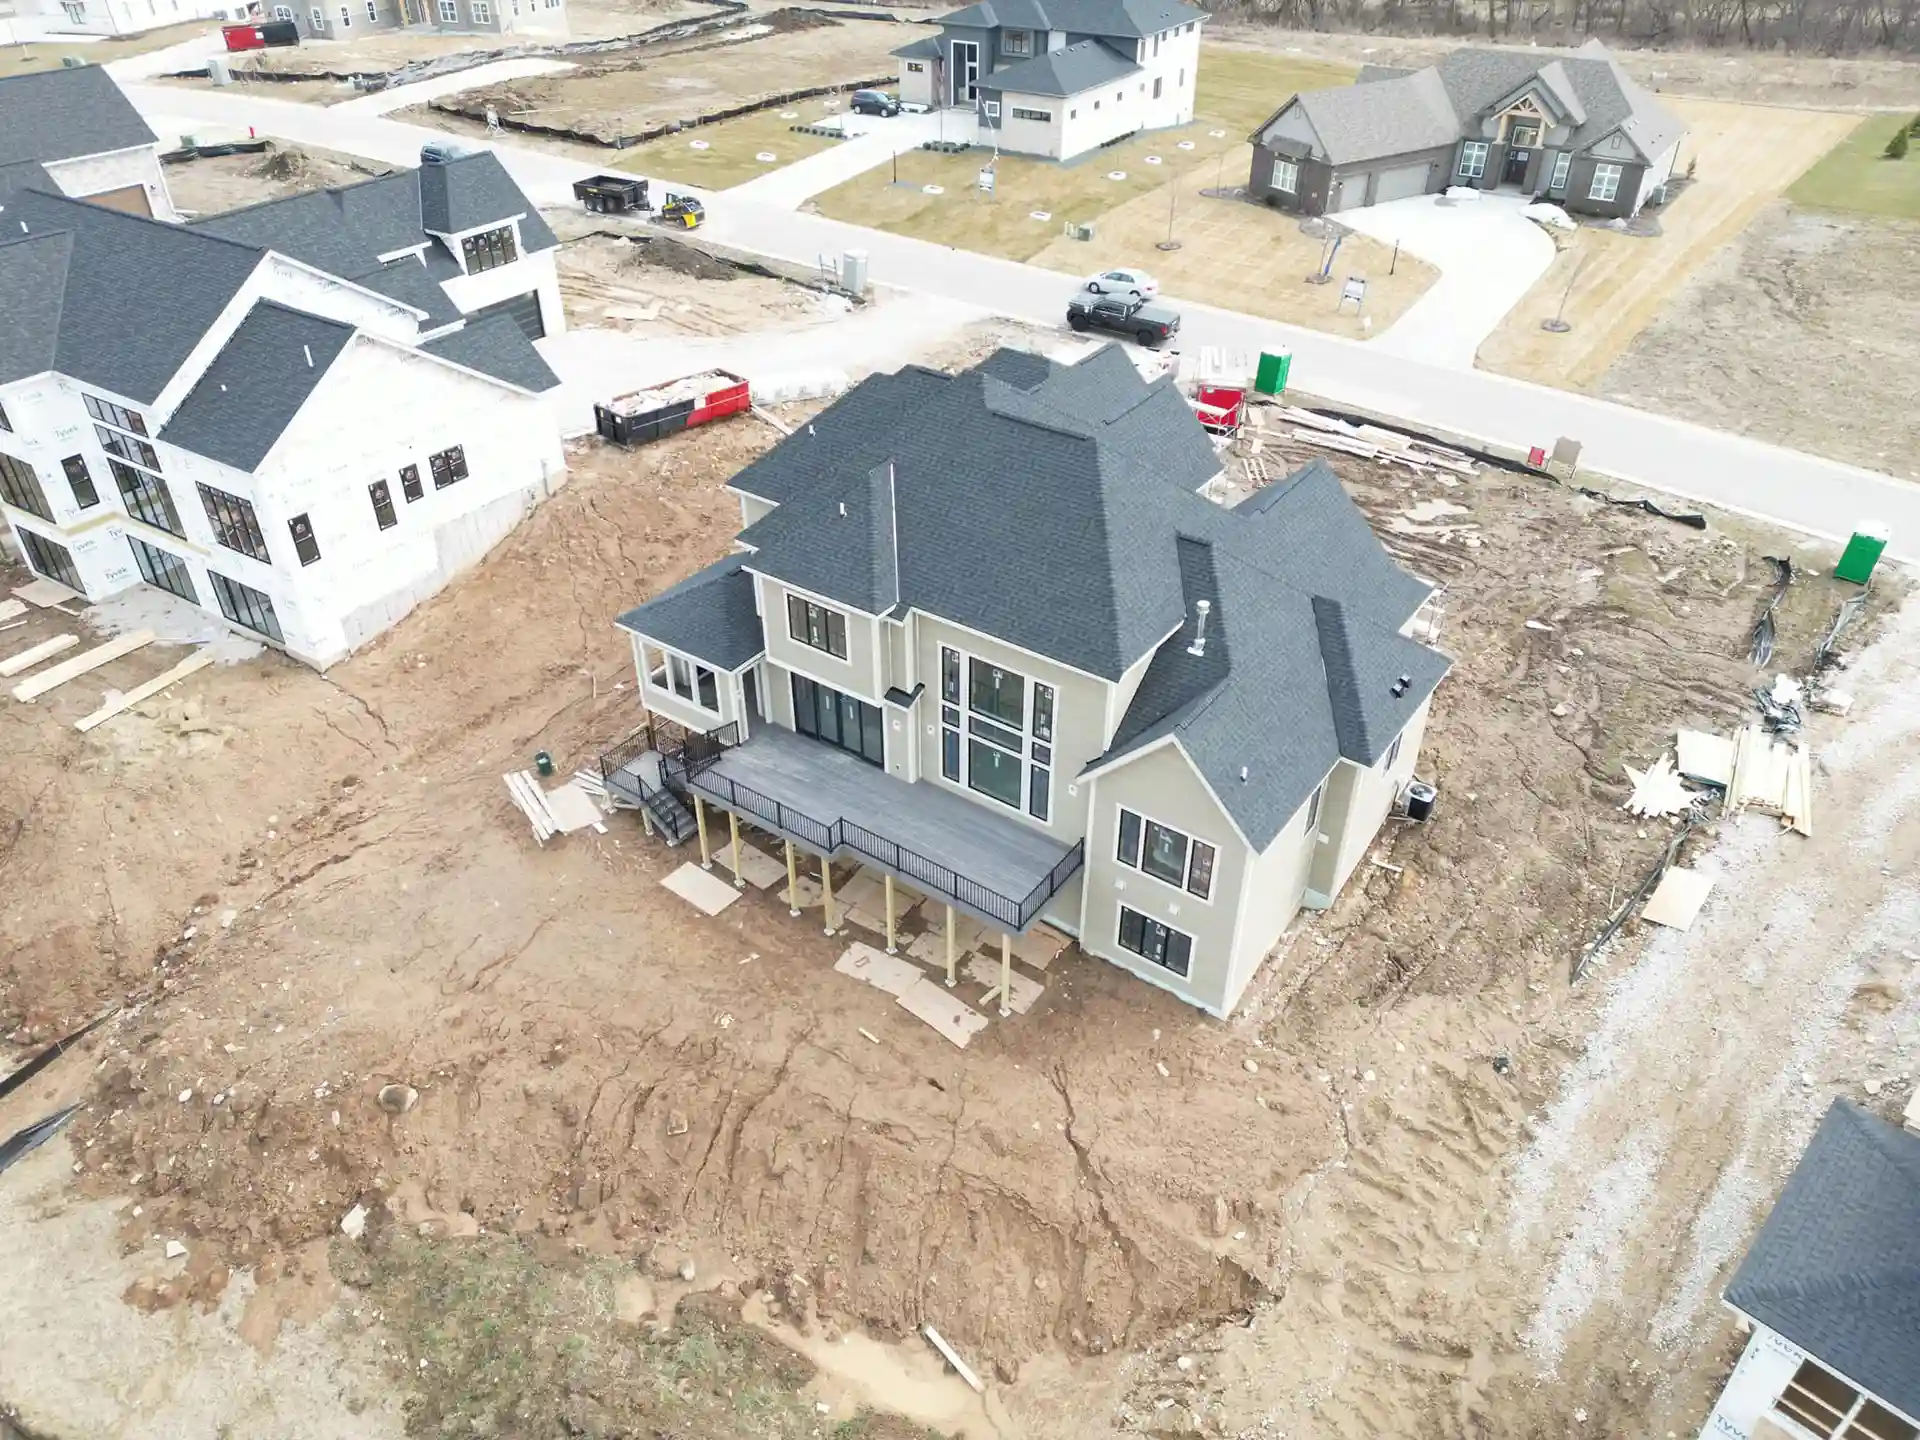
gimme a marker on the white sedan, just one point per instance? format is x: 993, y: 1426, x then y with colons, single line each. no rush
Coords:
x: 1135, y: 284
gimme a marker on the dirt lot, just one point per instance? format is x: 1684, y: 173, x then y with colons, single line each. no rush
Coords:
x: 1741, y: 157
x: 621, y: 95
x: 602, y: 1071
x: 1804, y: 330
x: 228, y: 182
x: 667, y: 288
x: 727, y: 152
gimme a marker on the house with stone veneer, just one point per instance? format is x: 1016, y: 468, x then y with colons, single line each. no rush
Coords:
x: 986, y: 634
x: 1570, y: 127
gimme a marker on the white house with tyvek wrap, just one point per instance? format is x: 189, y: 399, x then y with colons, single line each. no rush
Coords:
x: 1057, y: 78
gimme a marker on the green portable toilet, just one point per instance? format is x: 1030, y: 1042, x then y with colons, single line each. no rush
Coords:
x: 1270, y: 378
x: 1862, y: 553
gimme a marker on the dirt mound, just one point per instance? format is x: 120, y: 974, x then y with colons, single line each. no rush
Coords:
x: 657, y: 252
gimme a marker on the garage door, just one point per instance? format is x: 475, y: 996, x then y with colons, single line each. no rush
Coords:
x: 1347, y: 191
x: 130, y: 198
x: 1400, y: 183
x: 525, y: 309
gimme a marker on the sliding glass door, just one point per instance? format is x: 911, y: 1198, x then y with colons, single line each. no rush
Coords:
x: 839, y: 719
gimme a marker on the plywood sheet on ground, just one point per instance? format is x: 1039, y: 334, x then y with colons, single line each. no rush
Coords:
x: 1022, y: 990
x: 45, y: 592
x: 757, y: 868
x: 1677, y: 899
x: 1706, y: 757
x: 879, y: 969
x: 573, y: 809
x: 1039, y: 947
x: 930, y: 948
x: 702, y: 889
x: 943, y: 1010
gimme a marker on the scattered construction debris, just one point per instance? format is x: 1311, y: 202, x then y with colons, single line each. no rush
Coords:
x: 706, y: 892
x: 960, y: 1367
x: 51, y: 679
x: 1760, y: 642
x: 1826, y: 652
x: 1658, y: 790
x: 1772, y: 776
x: 1625, y: 909
x: 1780, y: 705
x: 199, y: 660
x: 559, y: 811
x: 1706, y: 758
x: 1371, y: 442
x: 1677, y: 899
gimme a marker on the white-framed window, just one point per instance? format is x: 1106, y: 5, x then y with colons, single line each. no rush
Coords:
x: 346, y: 18
x: 991, y: 108
x: 1286, y: 176
x: 482, y: 12
x: 449, y: 12
x: 1170, y: 856
x: 283, y: 12
x: 996, y: 732
x: 676, y: 675
x: 1562, y: 163
x: 1473, y: 160
x: 1146, y: 937
x: 318, y: 17
x: 1606, y: 182
x: 1041, y: 115
x: 915, y: 67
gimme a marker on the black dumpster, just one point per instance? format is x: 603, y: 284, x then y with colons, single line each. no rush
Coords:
x: 643, y: 426
x: 279, y: 32
x: 612, y: 194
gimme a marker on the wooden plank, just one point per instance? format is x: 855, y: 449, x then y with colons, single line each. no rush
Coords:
x: 199, y: 660
x: 45, y: 593
x: 34, y: 654
x: 526, y: 795
x: 961, y: 1368
x: 80, y: 664
x: 11, y: 608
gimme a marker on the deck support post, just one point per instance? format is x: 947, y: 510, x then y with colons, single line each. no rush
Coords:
x: 793, y: 882
x: 700, y: 819
x: 1006, y: 971
x: 952, y: 980
x: 646, y: 822
x: 826, y: 889
x: 892, y: 947
x: 733, y: 828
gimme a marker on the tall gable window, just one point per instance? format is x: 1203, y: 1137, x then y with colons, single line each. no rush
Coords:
x: 1005, y: 750
x: 1167, y: 854
x: 489, y: 250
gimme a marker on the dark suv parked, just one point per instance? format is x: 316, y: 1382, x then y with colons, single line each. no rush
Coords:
x: 874, y: 102
x: 1141, y: 320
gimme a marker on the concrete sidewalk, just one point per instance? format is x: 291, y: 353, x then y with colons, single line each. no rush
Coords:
x: 1489, y: 256
x: 382, y: 102
x: 879, y: 141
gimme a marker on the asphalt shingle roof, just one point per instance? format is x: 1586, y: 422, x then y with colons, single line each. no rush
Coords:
x: 496, y: 346
x: 1071, y: 71
x: 927, y: 47
x: 56, y: 115
x: 1129, y: 19
x: 1391, y: 112
x: 1836, y: 1266
x: 709, y: 615
x: 248, y: 396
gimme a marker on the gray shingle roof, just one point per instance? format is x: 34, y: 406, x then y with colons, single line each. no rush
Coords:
x: 1388, y: 113
x: 1129, y: 19
x: 1070, y: 71
x: 409, y: 282
x: 248, y: 396
x: 62, y: 114
x: 709, y: 615
x: 927, y: 47
x: 26, y: 175
x: 496, y: 346
x: 1836, y: 1267
x: 134, y: 295
x: 33, y: 288
x: 1069, y: 561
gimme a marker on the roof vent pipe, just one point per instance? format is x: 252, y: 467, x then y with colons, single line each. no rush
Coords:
x: 1243, y: 774
x: 307, y: 350
x: 1199, y: 646
x: 843, y: 509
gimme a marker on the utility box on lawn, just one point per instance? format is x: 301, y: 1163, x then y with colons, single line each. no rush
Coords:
x: 1270, y: 377
x: 612, y: 194
x: 1863, y: 552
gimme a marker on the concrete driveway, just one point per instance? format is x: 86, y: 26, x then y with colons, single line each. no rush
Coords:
x: 1488, y: 254
x: 876, y: 143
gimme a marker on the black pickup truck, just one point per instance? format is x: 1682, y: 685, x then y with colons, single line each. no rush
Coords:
x: 1143, y: 320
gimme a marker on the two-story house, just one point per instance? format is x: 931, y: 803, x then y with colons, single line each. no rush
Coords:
x: 1830, y: 1289
x: 305, y: 417
x: 1058, y: 78
x: 76, y: 129
x: 1571, y: 127
x: 985, y: 633
x: 352, y: 19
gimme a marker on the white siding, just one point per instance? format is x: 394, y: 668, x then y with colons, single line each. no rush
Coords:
x: 529, y: 272
x: 95, y: 174
x: 1656, y: 174
x: 1032, y: 137
x: 916, y: 85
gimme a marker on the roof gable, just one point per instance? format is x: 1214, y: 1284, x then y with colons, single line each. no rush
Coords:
x: 242, y: 404
x: 1069, y: 71
x: 496, y: 347
x: 710, y: 615
x: 1127, y: 19
x: 1836, y: 1266
x: 57, y: 115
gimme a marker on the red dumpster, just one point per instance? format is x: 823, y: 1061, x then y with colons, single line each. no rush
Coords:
x: 243, y: 37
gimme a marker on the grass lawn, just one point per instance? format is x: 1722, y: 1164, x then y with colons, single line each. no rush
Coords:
x: 45, y: 55
x: 1237, y: 90
x: 1856, y: 176
x: 731, y: 147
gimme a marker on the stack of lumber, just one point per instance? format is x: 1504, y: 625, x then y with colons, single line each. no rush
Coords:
x: 1371, y: 442
x: 1772, y: 776
x: 559, y: 811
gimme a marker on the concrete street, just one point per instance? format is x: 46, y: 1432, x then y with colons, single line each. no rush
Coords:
x: 1822, y: 497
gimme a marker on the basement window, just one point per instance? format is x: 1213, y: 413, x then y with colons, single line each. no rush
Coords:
x: 382, y: 496
x: 410, y: 482
x: 1151, y: 940
x: 490, y: 249
x: 448, y: 466
x: 304, y: 544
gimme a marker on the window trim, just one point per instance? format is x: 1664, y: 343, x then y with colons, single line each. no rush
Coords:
x: 1188, y: 854
x: 1286, y: 176
x: 800, y: 617
x: 1473, y: 160
x: 1562, y: 167
x: 1168, y: 933
x: 1612, y: 173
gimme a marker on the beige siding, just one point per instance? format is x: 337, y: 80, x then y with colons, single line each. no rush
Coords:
x: 752, y: 510
x: 1356, y: 803
x: 1161, y: 784
x: 662, y: 701
x: 1079, y: 720
x: 858, y: 674
x: 1276, y: 885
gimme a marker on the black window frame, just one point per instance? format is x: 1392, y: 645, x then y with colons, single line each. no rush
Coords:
x: 163, y: 569
x: 20, y: 487
x: 410, y: 485
x: 129, y: 448
x: 1155, y: 942
x: 236, y: 526
x: 489, y: 250
x: 448, y: 466
x: 306, y: 546
x: 1199, y: 859
x: 138, y: 488
x: 86, y: 494
x: 816, y: 626
x: 246, y: 606
x: 118, y: 416
x: 5, y: 423
x: 998, y: 678
x: 381, y: 494
x: 821, y: 713
x: 51, y: 559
